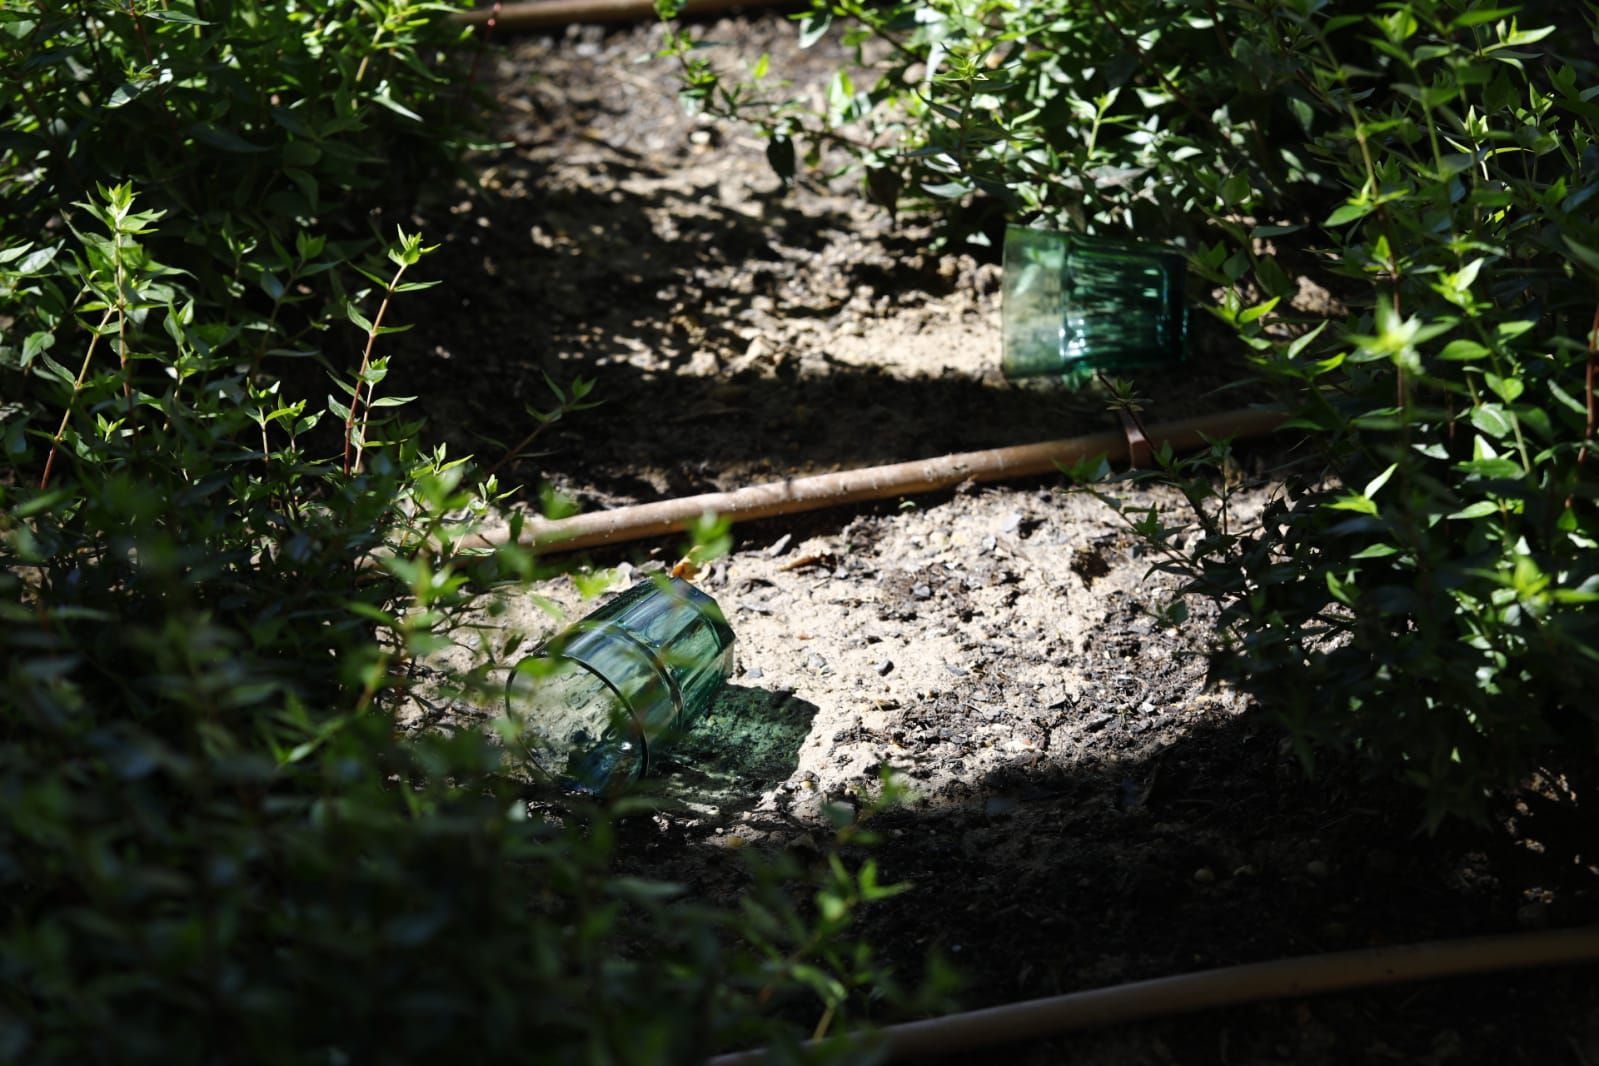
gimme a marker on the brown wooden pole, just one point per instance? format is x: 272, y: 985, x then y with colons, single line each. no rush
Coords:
x: 971, y: 1033
x: 873, y: 483
x: 553, y: 14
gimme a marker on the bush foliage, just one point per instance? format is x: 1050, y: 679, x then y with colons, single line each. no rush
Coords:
x: 222, y: 556
x: 1424, y: 589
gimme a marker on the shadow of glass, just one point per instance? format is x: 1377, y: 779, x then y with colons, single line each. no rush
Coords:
x: 747, y: 744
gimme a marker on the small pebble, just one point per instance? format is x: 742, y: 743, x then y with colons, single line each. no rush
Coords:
x: 1098, y: 722
x: 922, y: 592
x: 1317, y: 868
x: 885, y: 667
x: 816, y: 662
x: 1205, y: 875
x: 755, y: 673
x: 1011, y: 523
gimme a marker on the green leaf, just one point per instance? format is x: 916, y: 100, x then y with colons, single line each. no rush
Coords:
x: 179, y: 17
x: 1507, y: 389
x: 641, y: 890
x: 35, y: 261
x: 1491, y: 419
x: 1258, y: 311
x: 1348, y: 213
x: 1236, y: 189
x: 1482, y: 15
x: 1462, y: 351
x: 36, y: 343
x: 1567, y: 399
x: 1520, y: 37
x: 1375, y: 484
x: 306, y: 182
x: 227, y: 140
x: 43, y: 502
x: 1587, y: 256
x: 1354, y: 502
x: 814, y: 27
x: 1480, y: 509
x: 124, y: 94
x: 1300, y: 343
x: 383, y: 99
x: 301, y: 153
x: 1490, y: 468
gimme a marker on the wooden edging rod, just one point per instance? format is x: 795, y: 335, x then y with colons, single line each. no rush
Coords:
x: 1229, y: 986
x: 874, y: 483
x: 553, y: 14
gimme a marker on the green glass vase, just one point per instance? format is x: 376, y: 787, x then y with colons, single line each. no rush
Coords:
x: 600, y: 700
x: 1076, y: 305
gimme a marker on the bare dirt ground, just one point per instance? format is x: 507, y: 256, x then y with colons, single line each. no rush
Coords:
x: 1088, y: 808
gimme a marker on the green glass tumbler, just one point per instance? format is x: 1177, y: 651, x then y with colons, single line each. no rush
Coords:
x: 606, y: 695
x: 1074, y: 305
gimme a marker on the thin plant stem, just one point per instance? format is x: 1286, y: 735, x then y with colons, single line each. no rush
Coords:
x: 516, y: 449
x: 483, y: 44
x: 360, y: 377
x: 1593, y: 350
x: 377, y: 35
x: 77, y: 387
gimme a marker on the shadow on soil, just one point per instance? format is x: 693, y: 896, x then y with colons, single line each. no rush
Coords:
x: 593, y: 292
x: 1210, y: 849
x: 747, y: 744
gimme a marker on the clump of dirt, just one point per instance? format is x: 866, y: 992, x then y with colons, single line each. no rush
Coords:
x: 1088, y: 806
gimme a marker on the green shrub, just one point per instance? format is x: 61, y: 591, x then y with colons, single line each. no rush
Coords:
x: 217, y: 842
x: 245, y: 122
x: 1423, y: 590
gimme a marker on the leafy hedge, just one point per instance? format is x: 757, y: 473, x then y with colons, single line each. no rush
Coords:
x: 1424, y: 589
x: 216, y: 582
